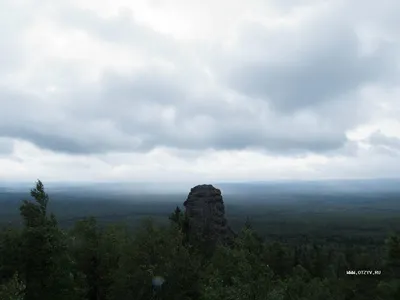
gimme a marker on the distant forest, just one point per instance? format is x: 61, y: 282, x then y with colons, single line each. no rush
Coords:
x: 96, y: 246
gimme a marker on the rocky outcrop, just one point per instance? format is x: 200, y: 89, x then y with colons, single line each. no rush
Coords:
x: 206, y: 213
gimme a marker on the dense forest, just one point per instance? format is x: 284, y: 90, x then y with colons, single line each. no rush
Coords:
x: 42, y: 260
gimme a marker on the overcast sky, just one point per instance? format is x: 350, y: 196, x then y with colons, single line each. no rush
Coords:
x: 199, y: 90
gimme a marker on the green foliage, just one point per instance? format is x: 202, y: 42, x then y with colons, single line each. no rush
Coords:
x: 13, y: 289
x: 393, y: 254
x: 238, y: 272
x: 156, y: 251
x: 177, y: 216
x: 10, y: 253
x: 93, y: 262
x: 45, y: 262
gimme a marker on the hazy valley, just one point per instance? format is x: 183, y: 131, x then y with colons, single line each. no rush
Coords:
x: 285, y: 210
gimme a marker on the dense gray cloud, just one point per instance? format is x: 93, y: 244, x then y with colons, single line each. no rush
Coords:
x: 6, y: 146
x: 304, y: 68
x: 129, y: 115
x: 388, y: 144
x: 287, y: 91
x: 309, y: 81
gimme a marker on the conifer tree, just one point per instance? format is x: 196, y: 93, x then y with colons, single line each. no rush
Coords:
x: 45, y: 261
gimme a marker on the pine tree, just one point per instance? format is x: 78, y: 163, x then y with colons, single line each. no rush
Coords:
x: 45, y: 261
x: 176, y: 216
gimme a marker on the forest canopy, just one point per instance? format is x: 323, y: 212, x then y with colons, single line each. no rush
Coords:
x: 42, y: 261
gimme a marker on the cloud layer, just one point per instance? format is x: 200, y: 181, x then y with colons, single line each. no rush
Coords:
x: 229, y: 91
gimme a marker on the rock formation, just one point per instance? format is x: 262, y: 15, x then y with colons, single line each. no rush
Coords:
x: 206, y: 213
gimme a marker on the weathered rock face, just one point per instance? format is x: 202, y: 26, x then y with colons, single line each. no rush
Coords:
x: 206, y: 212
